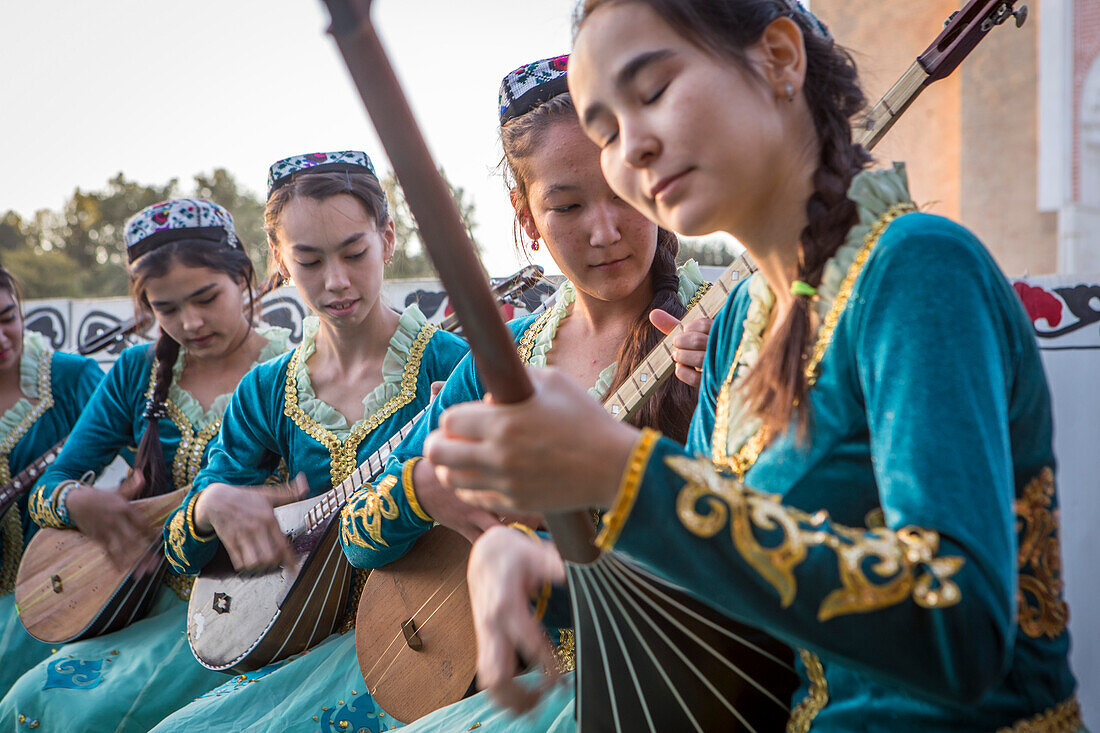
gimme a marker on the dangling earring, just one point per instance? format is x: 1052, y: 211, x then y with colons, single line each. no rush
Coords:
x: 286, y: 281
x: 387, y: 261
x: 790, y: 92
x: 535, y: 245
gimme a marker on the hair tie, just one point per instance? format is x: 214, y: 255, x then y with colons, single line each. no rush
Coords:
x: 800, y: 287
x: 155, y: 410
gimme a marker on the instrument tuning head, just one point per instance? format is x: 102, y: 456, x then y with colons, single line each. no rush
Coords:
x: 1020, y: 16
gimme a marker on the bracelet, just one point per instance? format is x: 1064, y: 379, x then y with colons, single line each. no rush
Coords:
x: 60, y: 505
x: 614, y: 519
x: 543, y: 598
x: 410, y: 490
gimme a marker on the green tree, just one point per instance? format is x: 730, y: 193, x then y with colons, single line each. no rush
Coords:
x: 409, y: 257
x: 248, y: 213
x: 705, y: 251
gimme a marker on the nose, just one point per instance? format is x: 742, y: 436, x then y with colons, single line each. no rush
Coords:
x: 336, y: 278
x: 639, y: 146
x: 191, y: 319
x: 605, y: 225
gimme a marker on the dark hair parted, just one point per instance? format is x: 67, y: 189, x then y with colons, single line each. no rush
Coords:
x: 776, y: 386
x: 670, y: 408
x: 11, y: 284
x: 319, y: 186
x: 191, y: 253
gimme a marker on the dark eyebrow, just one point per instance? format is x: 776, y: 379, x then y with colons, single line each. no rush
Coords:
x: 626, y: 77
x: 350, y: 240
x: 560, y: 188
x: 195, y: 294
x: 7, y: 310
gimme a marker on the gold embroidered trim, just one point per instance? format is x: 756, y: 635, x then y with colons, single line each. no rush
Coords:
x: 369, y: 507
x: 817, y: 695
x: 903, y: 564
x: 699, y: 293
x: 358, y: 582
x: 180, y: 585
x: 188, y: 458
x: 1041, y: 609
x: 181, y: 528
x: 410, y: 490
x: 566, y: 651
x: 748, y: 454
x: 527, y: 341
x: 614, y: 519
x: 1065, y: 717
x: 542, y: 601
x: 11, y: 539
x: 343, y: 454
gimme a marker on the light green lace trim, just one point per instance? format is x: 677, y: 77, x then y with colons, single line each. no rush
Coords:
x: 874, y: 193
x: 690, y: 278
x: 278, y: 342
x: 393, y: 368
x: 35, y: 348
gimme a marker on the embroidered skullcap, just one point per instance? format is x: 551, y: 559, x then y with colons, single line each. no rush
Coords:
x: 529, y: 86
x: 345, y: 161
x: 798, y: 10
x: 176, y: 219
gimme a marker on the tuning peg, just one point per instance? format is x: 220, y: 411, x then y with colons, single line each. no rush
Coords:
x: 1020, y: 16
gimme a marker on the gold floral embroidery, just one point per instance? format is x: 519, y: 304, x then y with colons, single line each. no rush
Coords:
x: 904, y: 563
x: 11, y: 529
x: 358, y: 582
x: 1041, y: 609
x: 369, y: 507
x: 565, y: 653
x: 527, y: 341
x: 817, y: 696
x: 180, y: 585
x: 1065, y: 717
x: 344, y: 458
x: 181, y: 529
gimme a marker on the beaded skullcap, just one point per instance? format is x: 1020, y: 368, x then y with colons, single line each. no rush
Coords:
x: 345, y: 161
x: 531, y: 85
x: 177, y: 219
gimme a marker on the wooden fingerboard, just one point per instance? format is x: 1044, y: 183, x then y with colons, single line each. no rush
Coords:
x: 888, y: 109
x: 25, y: 479
x: 658, y: 365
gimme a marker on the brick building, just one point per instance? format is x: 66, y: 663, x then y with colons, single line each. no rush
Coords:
x: 1010, y: 144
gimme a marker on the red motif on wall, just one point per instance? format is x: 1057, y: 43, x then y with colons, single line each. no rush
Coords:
x: 1039, y: 303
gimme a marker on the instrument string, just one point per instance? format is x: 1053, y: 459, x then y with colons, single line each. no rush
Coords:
x: 578, y: 576
x: 639, y: 579
x: 396, y: 638
x: 422, y: 626
x: 683, y: 657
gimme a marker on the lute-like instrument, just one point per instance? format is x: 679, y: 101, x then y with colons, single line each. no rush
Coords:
x: 239, y: 623
x: 646, y: 659
x: 25, y: 479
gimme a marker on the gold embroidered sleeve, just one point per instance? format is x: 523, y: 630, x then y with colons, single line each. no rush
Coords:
x: 182, y: 532
x: 614, y: 519
x: 1041, y: 609
x: 410, y: 490
x: 878, y: 568
x: 361, y: 519
x: 42, y: 510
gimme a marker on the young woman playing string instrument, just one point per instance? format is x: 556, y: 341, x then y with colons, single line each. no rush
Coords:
x: 360, y: 374
x: 619, y: 268
x: 41, y: 395
x: 869, y: 474
x: 189, y: 269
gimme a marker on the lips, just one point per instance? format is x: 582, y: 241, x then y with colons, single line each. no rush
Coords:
x: 610, y: 263
x: 201, y: 340
x: 342, y: 307
x: 664, y: 184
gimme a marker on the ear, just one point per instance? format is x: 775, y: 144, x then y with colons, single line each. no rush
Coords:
x: 781, y: 53
x: 523, y: 215
x: 277, y: 258
x: 389, y: 239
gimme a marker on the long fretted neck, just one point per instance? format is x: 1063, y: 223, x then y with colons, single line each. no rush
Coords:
x: 334, y: 499
x: 25, y: 479
x: 658, y: 364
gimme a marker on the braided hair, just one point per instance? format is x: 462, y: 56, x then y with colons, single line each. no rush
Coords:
x: 776, y: 386
x: 158, y: 263
x: 670, y: 408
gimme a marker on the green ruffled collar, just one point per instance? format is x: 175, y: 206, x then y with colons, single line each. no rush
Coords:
x: 278, y: 341
x: 35, y: 349
x: 874, y: 193
x: 690, y: 278
x: 393, y: 368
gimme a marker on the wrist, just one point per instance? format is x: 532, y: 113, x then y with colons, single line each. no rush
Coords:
x: 617, y: 452
x: 201, y: 520
x: 409, y: 472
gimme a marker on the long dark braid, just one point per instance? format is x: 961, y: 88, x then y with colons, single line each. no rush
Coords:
x: 776, y: 386
x: 150, y: 455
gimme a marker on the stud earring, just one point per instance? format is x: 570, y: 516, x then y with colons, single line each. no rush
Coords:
x: 387, y: 261
x: 790, y: 92
x: 534, y: 245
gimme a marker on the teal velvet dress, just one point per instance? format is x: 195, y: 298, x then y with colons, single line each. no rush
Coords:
x: 372, y: 538
x: 130, y: 679
x: 907, y: 546
x: 55, y: 388
x: 266, y: 422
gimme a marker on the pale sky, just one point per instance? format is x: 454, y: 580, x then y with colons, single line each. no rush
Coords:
x: 159, y: 90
